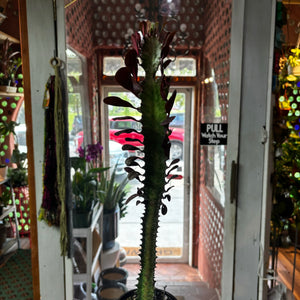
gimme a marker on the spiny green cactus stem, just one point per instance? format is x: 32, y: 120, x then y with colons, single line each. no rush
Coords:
x: 155, y: 119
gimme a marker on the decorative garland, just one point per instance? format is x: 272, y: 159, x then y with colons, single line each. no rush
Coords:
x: 53, y: 208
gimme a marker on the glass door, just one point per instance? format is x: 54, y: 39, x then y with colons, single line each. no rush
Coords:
x: 173, y: 235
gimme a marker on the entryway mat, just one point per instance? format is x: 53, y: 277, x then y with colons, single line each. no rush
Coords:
x: 161, y: 251
x: 16, y: 277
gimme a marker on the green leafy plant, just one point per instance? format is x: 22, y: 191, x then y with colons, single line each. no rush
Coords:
x: 112, y: 193
x: 10, y: 62
x: 18, y: 175
x: 150, y: 48
x: 5, y: 196
x: 6, y: 128
x: 85, y: 178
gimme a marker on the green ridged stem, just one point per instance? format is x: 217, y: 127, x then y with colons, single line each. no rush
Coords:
x: 153, y: 113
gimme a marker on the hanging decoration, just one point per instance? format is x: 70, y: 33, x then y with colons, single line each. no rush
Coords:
x: 54, y: 208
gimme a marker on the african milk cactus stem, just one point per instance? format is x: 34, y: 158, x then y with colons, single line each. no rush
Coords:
x: 150, y: 48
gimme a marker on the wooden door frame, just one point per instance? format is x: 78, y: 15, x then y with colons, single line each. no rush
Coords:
x: 30, y: 155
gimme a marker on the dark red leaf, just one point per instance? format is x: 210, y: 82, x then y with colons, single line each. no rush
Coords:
x: 133, y: 140
x: 168, y: 197
x: 125, y: 118
x: 170, y: 102
x: 168, y: 120
x: 116, y: 101
x: 173, y: 168
x: 128, y: 130
x: 164, y: 209
x: 164, y: 87
x: 124, y: 78
x: 175, y: 161
x: 131, y: 159
x: 132, y: 174
x: 136, y: 41
x: 130, y: 148
x: 131, y: 197
x: 131, y: 62
x: 166, y: 63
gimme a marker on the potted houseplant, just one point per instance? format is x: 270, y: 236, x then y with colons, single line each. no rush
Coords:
x: 6, y: 128
x: 4, y: 198
x: 84, y: 183
x: 18, y: 175
x: 112, y: 195
x: 10, y: 62
x: 150, y: 49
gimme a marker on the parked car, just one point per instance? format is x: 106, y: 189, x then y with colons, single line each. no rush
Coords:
x: 176, y: 137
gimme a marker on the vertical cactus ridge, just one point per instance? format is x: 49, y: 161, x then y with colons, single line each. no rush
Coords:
x: 155, y: 118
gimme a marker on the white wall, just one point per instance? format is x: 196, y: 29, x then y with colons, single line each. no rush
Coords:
x: 249, y: 113
x: 41, y: 50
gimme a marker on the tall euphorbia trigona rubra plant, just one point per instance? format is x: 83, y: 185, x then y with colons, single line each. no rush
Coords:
x: 150, y: 49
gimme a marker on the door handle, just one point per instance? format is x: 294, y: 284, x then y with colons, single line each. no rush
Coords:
x: 233, y: 181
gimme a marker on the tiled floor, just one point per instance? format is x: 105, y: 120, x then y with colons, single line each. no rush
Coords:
x: 181, y: 280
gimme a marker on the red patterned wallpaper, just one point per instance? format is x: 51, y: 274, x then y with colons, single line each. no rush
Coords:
x: 79, y: 24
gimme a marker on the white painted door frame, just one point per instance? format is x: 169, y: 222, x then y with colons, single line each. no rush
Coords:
x: 187, y: 186
x: 247, y: 196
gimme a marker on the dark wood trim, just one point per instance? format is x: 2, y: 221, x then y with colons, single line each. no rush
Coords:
x: 30, y: 155
x: 197, y: 169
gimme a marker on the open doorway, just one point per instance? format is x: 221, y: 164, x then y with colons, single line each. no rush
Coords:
x: 173, y: 236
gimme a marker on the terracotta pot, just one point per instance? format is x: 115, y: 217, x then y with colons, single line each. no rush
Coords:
x: 111, y: 291
x: 113, y: 275
x: 8, y: 89
x: 3, y: 173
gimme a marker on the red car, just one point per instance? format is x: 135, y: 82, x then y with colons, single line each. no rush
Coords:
x: 176, y: 137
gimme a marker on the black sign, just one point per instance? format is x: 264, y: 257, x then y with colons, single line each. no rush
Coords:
x: 214, y: 134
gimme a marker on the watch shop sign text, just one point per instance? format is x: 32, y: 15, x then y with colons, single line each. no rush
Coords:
x: 214, y: 134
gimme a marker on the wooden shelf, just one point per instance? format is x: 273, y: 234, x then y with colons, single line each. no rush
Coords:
x: 4, y: 36
x: 93, y: 248
x: 9, y: 95
x: 6, y: 211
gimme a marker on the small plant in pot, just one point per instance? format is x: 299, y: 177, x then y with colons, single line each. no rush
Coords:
x: 4, y: 197
x: 18, y: 175
x: 150, y: 50
x: 84, y: 183
x: 6, y: 129
x: 10, y: 62
x: 112, y: 195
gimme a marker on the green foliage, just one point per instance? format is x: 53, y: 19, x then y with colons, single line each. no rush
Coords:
x: 5, y: 196
x: 111, y: 193
x: 287, y: 177
x: 85, y: 178
x: 10, y: 63
x: 18, y: 175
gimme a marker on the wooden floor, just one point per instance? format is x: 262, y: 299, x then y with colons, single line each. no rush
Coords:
x: 285, y: 269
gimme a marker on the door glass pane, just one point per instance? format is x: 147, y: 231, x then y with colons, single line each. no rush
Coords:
x: 75, y: 90
x: 170, y: 236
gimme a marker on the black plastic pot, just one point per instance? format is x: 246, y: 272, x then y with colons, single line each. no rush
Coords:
x: 110, y: 228
x: 113, y: 275
x: 111, y: 291
x: 159, y: 295
x: 82, y: 219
